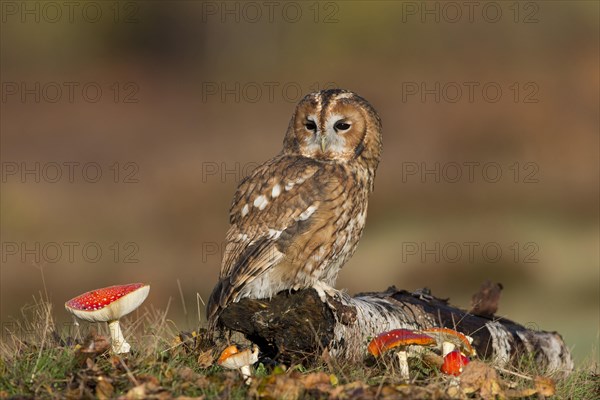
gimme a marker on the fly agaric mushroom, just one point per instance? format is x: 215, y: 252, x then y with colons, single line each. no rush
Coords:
x: 454, y: 363
x: 451, y: 339
x: 108, y: 305
x: 401, y: 338
x: 232, y: 358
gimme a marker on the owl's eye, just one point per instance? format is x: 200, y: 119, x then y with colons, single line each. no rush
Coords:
x: 310, y: 125
x: 341, y: 126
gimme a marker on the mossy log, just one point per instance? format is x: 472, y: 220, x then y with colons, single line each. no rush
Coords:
x: 297, y: 325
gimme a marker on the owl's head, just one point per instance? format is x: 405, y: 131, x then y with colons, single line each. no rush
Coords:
x: 335, y: 125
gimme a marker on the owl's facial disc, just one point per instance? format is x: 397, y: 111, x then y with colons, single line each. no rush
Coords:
x: 330, y: 134
x: 331, y: 125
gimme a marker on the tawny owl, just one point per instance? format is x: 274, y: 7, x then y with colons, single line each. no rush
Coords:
x: 297, y: 218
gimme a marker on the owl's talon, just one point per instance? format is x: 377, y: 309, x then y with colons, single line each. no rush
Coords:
x: 323, y: 290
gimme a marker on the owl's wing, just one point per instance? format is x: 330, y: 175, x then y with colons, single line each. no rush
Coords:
x: 278, y: 203
x: 269, y: 210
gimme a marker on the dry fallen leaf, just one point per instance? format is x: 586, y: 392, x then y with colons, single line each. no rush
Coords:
x: 90, y: 365
x: 282, y: 387
x: 192, y: 378
x: 205, y: 359
x: 147, y: 390
x: 354, y: 389
x: 147, y: 378
x: 387, y: 392
x: 104, y: 389
x: 545, y: 386
x: 478, y: 376
x: 93, y: 345
x: 455, y: 392
x: 291, y: 385
x: 138, y: 392
x: 482, y: 378
x: 187, y: 374
x: 318, y: 380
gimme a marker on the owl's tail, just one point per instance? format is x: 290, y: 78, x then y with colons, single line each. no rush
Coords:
x: 213, y: 309
x: 217, y: 301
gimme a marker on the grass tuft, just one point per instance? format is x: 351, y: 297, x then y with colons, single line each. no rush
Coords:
x: 38, y: 359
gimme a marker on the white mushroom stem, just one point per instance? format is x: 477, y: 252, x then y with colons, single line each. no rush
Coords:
x: 447, y: 347
x: 246, y: 373
x: 119, y: 344
x: 403, y: 358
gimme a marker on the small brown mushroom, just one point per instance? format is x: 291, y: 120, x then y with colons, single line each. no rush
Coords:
x: 232, y: 358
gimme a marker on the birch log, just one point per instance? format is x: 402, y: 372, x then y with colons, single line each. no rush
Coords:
x: 293, y: 326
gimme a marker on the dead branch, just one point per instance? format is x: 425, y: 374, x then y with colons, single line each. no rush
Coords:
x: 297, y: 325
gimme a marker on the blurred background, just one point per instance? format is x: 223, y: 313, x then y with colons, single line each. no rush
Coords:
x: 126, y: 127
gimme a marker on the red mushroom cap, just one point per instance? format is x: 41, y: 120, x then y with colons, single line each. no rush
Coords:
x: 454, y: 363
x: 229, y: 351
x: 398, y: 337
x: 108, y: 304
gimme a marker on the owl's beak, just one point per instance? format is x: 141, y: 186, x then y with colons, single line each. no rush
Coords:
x: 323, y: 143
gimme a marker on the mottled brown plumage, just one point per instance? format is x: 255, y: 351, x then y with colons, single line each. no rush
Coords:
x: 298, y: 217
